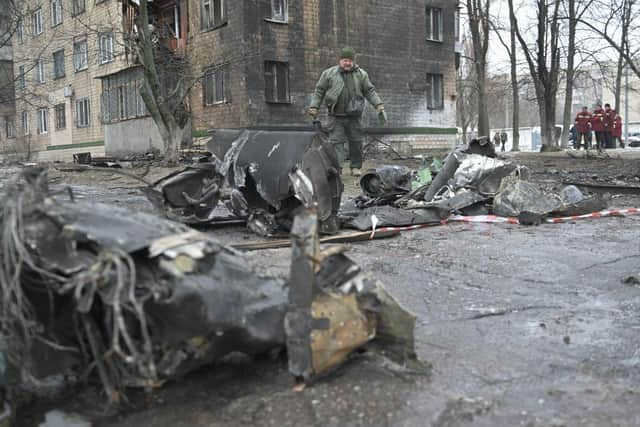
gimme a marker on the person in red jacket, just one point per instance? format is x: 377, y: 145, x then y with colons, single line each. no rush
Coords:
x: 609, y: 119
x: 597, y: 125
x: 616, y: 131
x: 583, y: 127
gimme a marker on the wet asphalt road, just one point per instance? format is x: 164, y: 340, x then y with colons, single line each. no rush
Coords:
x: 526, y: 326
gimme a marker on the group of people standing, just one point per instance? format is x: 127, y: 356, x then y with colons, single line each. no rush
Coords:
x: 605, y: 122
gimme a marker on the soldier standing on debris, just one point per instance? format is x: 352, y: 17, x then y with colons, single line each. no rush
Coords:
x: 597, y: 124
x: 503, y: 140
x: 583, y: 126
x: 345, y: 87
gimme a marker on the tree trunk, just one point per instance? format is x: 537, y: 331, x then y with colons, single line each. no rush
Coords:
x: 153, y: 94
x: 626, y: 17
x: 568, y: 97
x: 479, y: 26
x: 515, y: 124
x: 483, y: 111
x: 544, y: 67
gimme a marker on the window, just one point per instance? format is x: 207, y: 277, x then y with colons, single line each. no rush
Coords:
x: 77, y: 6
x: 120, y: 99
x: 213, y: 14
x: 279, y: 10
x: 58, y: 64
x: 39, y: 69
x: 105, y: 48
x: 56, y: 12
x: 22, y: 82
x: 80, y: 55
x: 456, y: 23
x: 10, y: 126
x: 25, y: 123
x: 434, y: 24
x: 36, y: 22
x: 20, y: 31
x: 43, y: 121
x: 213, y: 86
x: 61, y: 116
x: 435, y: 100
x: 276, y: 81
x: 82, y: 112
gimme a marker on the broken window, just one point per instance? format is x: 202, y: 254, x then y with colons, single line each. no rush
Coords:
x: 120, y: 98
x: 105, y: 48
x: 25, y: 123
x: 61, y: 116
x: 170, y: 22
x: 276, y: 81
x: 82, y: 112
x: 435, y: 100
x: 434, y: 24
x: 213, y: 86
x: 39, y: 69
x: 58, y: 64
x: 10, y: 126
x: 279, y: 10
x: 213, y: 14
x: 78, y: 6
x: 43, y: 120
x: 80, y: 54
x: 36, y: 22
x: 56, y: 12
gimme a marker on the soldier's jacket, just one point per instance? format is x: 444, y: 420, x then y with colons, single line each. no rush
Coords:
x: 331, y: 84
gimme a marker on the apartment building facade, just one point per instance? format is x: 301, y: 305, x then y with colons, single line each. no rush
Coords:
x: 61, y: 49
x: 252, y: 63
x: 7, y: 97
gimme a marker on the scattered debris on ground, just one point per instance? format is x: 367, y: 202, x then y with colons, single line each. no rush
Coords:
x: 130, y: 299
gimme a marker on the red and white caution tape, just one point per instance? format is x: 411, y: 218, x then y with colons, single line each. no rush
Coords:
x: 494, y: 219
x: 601, y: 214
x: 511, y: 220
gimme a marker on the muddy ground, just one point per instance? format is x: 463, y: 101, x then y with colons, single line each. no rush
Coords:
x: 528, y: 326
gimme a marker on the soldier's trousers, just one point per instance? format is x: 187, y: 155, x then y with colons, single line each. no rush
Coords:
x: 345, y: 133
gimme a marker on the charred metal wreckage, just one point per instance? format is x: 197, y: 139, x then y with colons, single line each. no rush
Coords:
x: 132, y: 299
x: 472, y: 181
x: 270, y: 175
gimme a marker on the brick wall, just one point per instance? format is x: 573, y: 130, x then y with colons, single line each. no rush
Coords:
x: 389, y: 36
x: 214, y: 47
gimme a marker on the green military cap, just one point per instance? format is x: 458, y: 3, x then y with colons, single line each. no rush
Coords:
x: 347, y: 53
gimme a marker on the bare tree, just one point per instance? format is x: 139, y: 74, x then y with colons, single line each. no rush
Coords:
x: 543, y: 60
x: 166, y: 106
x: 479, y: 24
x: 625, y: 22
x: 513, y: 63
x: 575, y: 9
x: 467, y: 90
